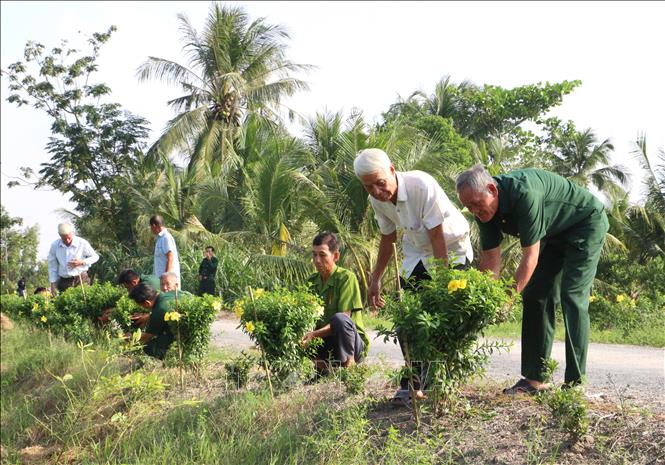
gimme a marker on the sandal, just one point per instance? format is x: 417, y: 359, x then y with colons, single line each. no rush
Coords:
x: 522, y: 387
x: 403, y: 397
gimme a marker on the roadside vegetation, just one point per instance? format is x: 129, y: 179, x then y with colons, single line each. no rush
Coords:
x: 68, y: 403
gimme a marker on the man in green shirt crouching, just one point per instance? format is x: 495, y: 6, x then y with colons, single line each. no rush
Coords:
x: 561, y: 227
x: 156, y: 336
x: 341, y: 326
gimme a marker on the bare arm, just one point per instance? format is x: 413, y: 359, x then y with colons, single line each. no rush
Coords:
x: 385, y: 252
x: 527, y: 265
x: 491, y: 260
x: 169, y: 261
x: 322, y: 332
x: 438, y: 241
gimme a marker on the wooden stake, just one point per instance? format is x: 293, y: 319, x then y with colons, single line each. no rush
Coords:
x: 404, y: 341
x: 263, y: 355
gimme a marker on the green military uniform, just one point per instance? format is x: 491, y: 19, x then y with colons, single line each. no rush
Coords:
x: 207, y: 271
x: 158, y: 345
x: 151, y: 280
x: 570, y: 224
x: 340, y: 293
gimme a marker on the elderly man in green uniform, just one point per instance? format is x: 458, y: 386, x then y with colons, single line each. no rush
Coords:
x: 129, y: 279
x: 207, y: 272
x: 341, y: 326
x: 561, y: 227
x: 156, y: 336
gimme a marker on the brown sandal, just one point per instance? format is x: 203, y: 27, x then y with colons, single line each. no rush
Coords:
x: 522, y: 387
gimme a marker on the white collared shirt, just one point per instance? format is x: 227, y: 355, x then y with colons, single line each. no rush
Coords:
x: 422, y: 205
x: 165, y: 243
x: 60, y: 255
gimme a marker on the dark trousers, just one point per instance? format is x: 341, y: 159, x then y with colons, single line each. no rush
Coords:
x: 564, y: 275
x: 343, y: 343
x: 207, y: 285
x: 414, y: 284
x: 65, y: 283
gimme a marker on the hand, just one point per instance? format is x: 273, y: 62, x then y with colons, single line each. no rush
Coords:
x: 74, y: 262
x: 374, y: 294
x: 54, y: 290
x: 140, y: 319
x: 307, y: 339
x: 105, y: 317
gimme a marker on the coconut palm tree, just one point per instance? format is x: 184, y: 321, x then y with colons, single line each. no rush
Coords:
x: 580, y: 158
x: 235, y: 67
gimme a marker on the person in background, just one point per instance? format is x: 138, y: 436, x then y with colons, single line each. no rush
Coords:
x: 69, y: 259
x: 207, y: 272
x: 20, y: 287
x: 156, y: 336
x: 166, y: 253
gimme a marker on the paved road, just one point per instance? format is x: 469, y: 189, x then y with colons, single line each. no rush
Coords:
x: 631, y: 372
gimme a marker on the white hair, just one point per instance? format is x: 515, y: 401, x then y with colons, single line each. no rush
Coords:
x: 65, y: 228
x: 476, y: 178
x: 169, y: 275
x: 371, y: 161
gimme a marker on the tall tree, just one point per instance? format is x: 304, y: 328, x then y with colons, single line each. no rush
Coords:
x: 235, y: 67
x: 95, y: 146
x: 18, y: 253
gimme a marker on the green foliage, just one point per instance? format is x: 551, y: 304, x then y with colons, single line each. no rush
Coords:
x: 192, y: 327
x: 442, y: 323
x: 239, y: 367
x: 95, y: 147
x: 567, y: 404
x: 133, y: 387
x: 18, y: 254
x: 122, y: 312
x: 277, y: 321
x: 354, y: 378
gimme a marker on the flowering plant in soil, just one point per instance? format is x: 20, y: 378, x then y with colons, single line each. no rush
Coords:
x: 277, y: 321
x: 444, y: 320
x: 189, y: 320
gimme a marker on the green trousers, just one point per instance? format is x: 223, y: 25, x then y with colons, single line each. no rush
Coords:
x: 564, y: 275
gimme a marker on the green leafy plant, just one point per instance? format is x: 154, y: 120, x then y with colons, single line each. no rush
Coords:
x: 239, y: 367
x: 277, y: 321
x: 443, y: 321
x: 354, y: 378
x: 190, y: 322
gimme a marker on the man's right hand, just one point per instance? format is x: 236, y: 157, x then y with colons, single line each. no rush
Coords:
x: 140, y: 319
x: 54, y: 290
x: 374, y: 294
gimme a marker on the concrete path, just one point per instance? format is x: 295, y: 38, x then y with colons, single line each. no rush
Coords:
x: 615, y: 371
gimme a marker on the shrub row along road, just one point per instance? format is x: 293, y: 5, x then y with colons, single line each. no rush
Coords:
x: 616, y: 372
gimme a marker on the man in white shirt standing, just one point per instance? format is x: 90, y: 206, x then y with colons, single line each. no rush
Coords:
x: 69, y: 259
x: 433, y: 227
x: 166, y: 253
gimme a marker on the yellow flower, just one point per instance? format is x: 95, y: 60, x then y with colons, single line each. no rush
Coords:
x: 249, y: 326
x: 593, y: 298
x: 217, y: 306
x: 43, y: 318
x: 35, y: 307
x: 172, y: 316
x: 238, y: 307
x: 620, y: 298
x: 319, y: 310
x: 258, y: 292
x: 456, y: 284
x: 633, y: 303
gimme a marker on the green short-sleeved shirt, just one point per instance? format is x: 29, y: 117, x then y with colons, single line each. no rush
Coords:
x: 158, y: 345
x: 151, y: 280
x: 536, y: 204
x: 340, y: 293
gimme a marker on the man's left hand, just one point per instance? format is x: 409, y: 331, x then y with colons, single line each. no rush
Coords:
x: 74, y: 262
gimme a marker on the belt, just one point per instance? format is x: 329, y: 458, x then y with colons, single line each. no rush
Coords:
x: 71, y: 278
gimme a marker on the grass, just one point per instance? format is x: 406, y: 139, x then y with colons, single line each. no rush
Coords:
x: 111, y: 411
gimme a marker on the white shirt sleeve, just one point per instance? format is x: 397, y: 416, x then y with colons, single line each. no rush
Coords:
x: 89, y: 256
x: 386, y: 225
x: 433, y: 205
x: 53, y: 263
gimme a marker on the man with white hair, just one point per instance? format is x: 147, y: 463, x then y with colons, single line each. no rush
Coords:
x: 69, y: 259
x: 561, y: 227
x: 433, y: 227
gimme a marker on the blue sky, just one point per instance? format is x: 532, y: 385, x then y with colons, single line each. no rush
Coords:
x: 366, y: 53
